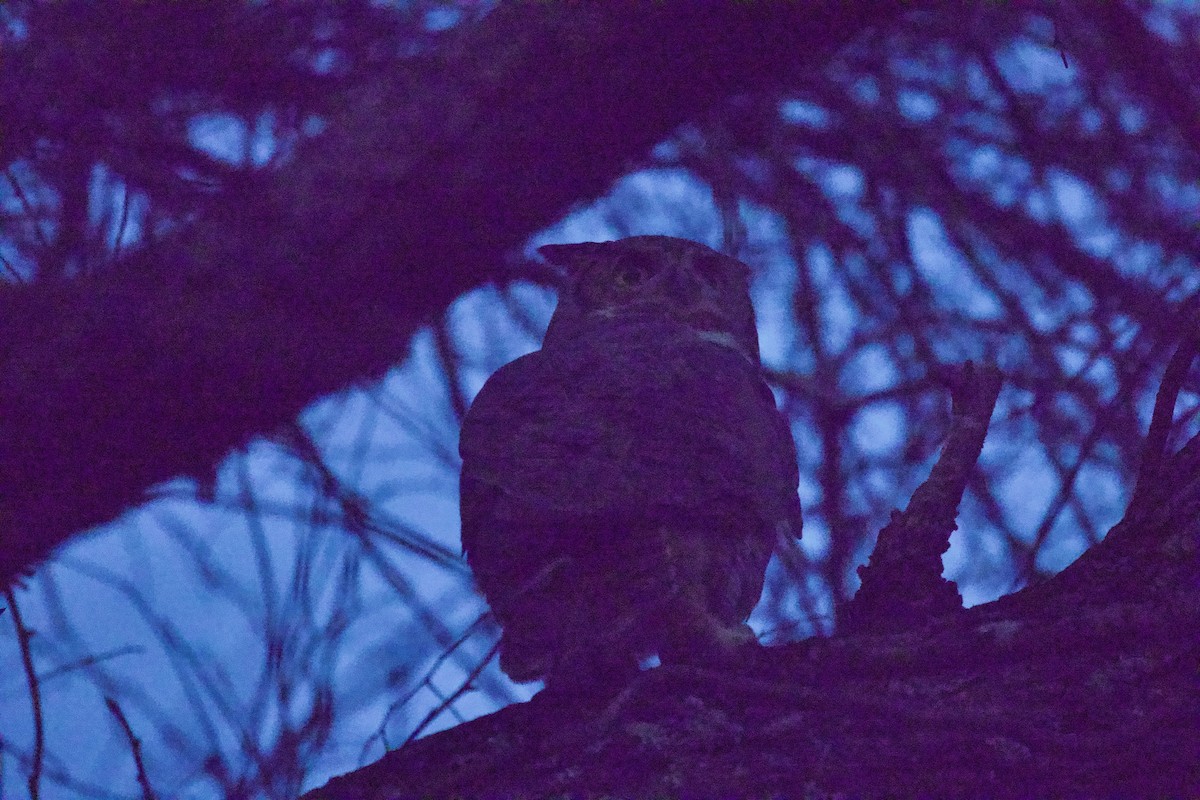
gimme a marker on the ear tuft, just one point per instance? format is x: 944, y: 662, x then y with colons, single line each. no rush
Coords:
x: 568, y: 255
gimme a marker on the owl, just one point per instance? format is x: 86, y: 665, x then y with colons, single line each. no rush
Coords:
x: 623, y: 488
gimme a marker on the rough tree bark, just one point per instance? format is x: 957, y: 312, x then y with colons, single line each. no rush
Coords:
x: 1085, y: 686
x: 315, y: 277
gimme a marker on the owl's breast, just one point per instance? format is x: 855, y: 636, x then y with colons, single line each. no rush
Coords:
x: 636, y: 419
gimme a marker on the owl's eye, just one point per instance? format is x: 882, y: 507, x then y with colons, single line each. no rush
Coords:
x: 630, y: 272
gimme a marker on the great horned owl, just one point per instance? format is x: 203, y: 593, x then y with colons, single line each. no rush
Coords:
x: 623, y: 487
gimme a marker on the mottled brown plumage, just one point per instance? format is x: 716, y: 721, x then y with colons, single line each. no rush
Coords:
x: 623, y: 487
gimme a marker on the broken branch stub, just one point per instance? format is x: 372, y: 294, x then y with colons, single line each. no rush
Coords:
x: 902, y: 586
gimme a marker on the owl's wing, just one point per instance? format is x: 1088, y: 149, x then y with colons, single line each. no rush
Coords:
x: 634, y: 420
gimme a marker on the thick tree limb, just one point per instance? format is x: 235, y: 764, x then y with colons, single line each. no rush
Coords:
x: 310, y: 281
x: 1087, y: 685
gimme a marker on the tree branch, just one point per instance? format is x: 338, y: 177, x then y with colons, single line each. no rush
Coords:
x: 1082, y: 686
x: 313, y: 278
x: 903, y: 584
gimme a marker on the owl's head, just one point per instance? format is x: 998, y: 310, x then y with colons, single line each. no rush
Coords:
x: 656, y: 277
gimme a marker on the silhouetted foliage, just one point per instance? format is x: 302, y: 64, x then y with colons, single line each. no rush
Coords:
x: 257, y: 258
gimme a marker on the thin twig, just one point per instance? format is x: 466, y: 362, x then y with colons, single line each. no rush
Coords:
x: 11, y: 269
x: 121, y: 225
x: 135, y: 746
x: 449, y: 701
x: 381, y: 732
x: 26, y: 205
x: 1154, y: 454
x: 35, y: 695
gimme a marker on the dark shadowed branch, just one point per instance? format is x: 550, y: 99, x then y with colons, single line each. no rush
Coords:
x: 310, y: 278
x: 903, y: 584
x: 1081, y: 686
